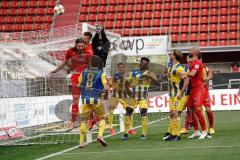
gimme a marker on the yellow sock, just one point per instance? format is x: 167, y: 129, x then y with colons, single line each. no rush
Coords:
x: 144, y: 125
x: 131, y: 122
x: 172, y: 127
x: 176, y: 128
x: 203, y: 112
x: 83, y: 131
x: 127, y: 121
x: 110, y: 119
x: 101, y: 128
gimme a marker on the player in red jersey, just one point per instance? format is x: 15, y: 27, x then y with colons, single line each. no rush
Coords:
x: 206, y: 96
x: 195, y: 100
x: 87, y: 37
x: 75, y: 67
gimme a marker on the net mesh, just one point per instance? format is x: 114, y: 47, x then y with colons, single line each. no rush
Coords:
x: 31, y: 102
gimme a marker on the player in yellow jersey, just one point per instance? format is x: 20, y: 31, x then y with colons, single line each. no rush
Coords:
x: 139, y: 81
x: 178, y: 89
x: 93, y: 85
x: 119, y: 95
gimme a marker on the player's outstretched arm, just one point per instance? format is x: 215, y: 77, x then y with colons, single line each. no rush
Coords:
x: 59, y: 67
x: 153, y: 77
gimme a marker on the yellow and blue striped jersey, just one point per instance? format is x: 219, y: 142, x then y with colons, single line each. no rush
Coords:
x: 91, y: 82
x: 118, y: 85
x: 174, y: 77
x: 139, y: 84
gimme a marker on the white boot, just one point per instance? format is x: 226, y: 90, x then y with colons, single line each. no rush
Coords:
x: 203, y: 135
x: 196, y: 134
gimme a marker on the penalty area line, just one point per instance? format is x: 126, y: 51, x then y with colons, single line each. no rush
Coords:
x: 75, y: 147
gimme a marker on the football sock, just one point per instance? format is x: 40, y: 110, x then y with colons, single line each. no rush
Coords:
x: 101, y: 128
x: 144, y: 125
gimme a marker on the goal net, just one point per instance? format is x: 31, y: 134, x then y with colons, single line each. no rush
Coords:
x: 36, y: 108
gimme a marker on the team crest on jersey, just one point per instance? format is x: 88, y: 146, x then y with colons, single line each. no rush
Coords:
x: 196, y: 66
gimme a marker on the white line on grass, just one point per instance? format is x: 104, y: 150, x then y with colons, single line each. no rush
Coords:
x: 152, y: 149
x: 75, y: 147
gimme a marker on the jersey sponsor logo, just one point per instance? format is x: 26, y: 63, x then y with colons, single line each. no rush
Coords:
x: 196, y: 66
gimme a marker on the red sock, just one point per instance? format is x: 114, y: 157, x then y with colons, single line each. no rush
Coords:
x: 187, y: 121
x: 210, y: 118
x: 201, y: 119
x: 194, y: 122
x: 74, y: 112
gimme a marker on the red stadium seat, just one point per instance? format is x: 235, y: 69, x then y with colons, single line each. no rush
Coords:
x: 203, y: 28
x: 31, y: 11
x: 138, y: 23
x: 223, y: 27
x: 203, y: 44
x: 82, y: 18
x: 51, y: 3
x: 213, y: 19
x: 195, y: 4
x: 233, y: 35
x: 186, y: 5
x: 93, y: 9
x: 94, y: 2
x: 17, y: 27
x: 185, y: 21
x: 213, y: 36
x: 223, y: 36
x: 175, y: 21
x: 156, y: 23
x: 166, y: 14
x: 100, y: 9
x: 213, y: 27
x: 21, y: 11
x: 157, y: 14
x: 43, y: 4
x: 174, y: 38
x: 84, y: 9
x: 193, y: 37
x: 110, y: 16
x: 147, y: 23
x: 118, y: 24
x: 139, y: 7
x: 203, y: 36
x: 111, y: 2
x: 138, y: 15
x: 38, y: 19
x: 224, y: 3
x: 167, y: 6
x: 222, y: 43
x: 204, y: 12
x: 223, y: 19
x: 128, y: 24
x: 109, y: 25
x: 111, y: 9
x: 174, y: 29
x: 232, y: 42
x: 194, y: 29
x: 9, y: 20
x: 184, y: 29
x: 119, y: 16
x: 214, y: 12
x: 195, y: 12
x: 234, y: 10
x: 149, y: 7
x: 131, y: 1
x: 204, y: 4
x: 46, y: 26
x: 29, y: 19
x: 32, y: 4
x: 184, y: 37
x: 158, y: 7
x: 13, y: 4
x: 233, y: 27
x: 3, y: 12
x: 155, y: 32
x: 101, y: 17
x: 165, y: 22
x: 4, y: 4
x: 129, y: 15
x: 122, y: 2
x: 92, y: 17
x: 213, y: 43
x: 194, y: 20
x: 19, y: 19
x: 41, y: 11
x: 176, y: 6
x: 185, y: 13
x: 233, y: 18
x: 204, y: 20
x: 224, y: 11
x: 176, y: 13
x: 47, y: 19
x: 130, y: 8
x: 121, y: 8
x: 2, y: 20
x: 214, y: 4
x: 148, y: 15
x: 12, y: 12
x: 27, y: 27
x: 234, y: 3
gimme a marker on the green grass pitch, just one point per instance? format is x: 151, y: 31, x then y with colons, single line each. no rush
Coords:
x: 224, y: 145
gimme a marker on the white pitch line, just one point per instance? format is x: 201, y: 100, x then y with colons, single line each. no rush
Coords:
x: 153, y: 149
x: 75, y: 147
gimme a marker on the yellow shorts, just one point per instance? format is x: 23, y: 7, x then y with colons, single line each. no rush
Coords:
x: 178, y: 104
x: 134, y: 103
x: 87, y: 109
x: 115, y: 100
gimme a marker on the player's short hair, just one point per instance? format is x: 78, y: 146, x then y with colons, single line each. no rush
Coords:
x: 121, y: 64
x: 146, y: 59
x: 178, y: 54
x: 196, y: 50
x: 96, y: 61
x: 80, y: 40
x: 89, y: 34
